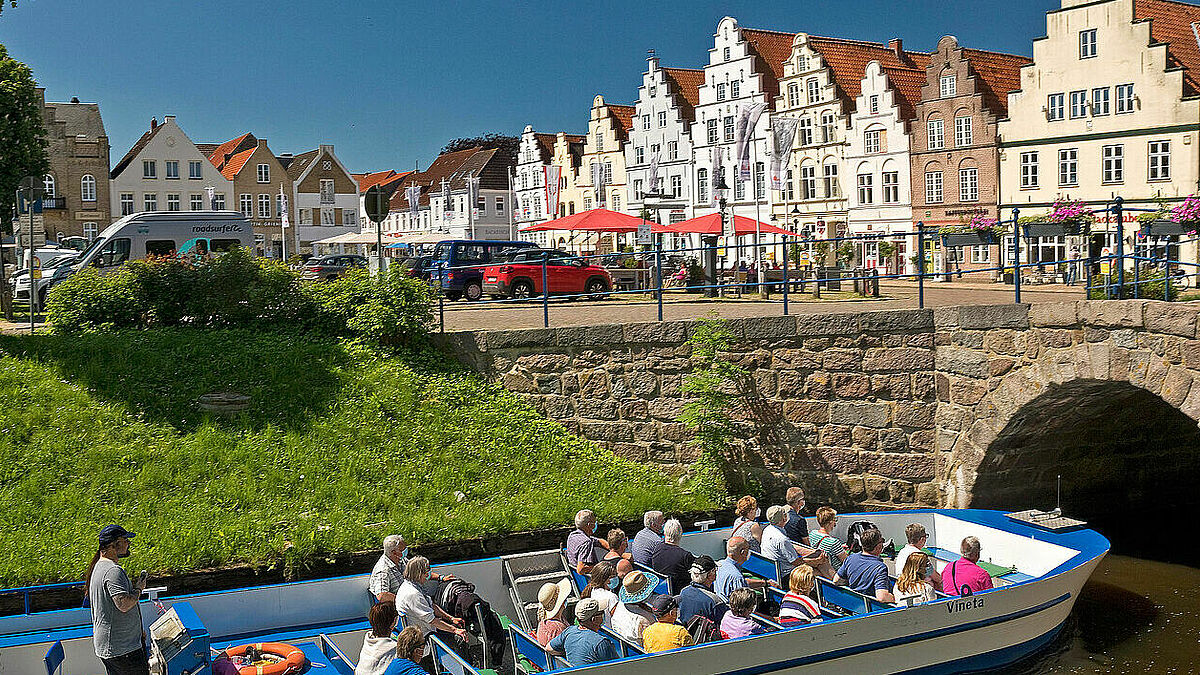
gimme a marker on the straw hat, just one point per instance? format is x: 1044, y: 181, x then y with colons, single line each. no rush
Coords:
x: 554, y: 596
x: 637, y: 586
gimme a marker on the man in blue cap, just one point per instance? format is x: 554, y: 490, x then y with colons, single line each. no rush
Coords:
x: 116, y: 617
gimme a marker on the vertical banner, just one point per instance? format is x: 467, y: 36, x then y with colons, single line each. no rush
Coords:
x: 283, y: 208
x: 783, y: 132
x: 473, y: 195
x: 598, y: 181
x: 212, y: 197
x: 552, y: 176
x: 413, y: 194
x: 747, y: 120
x: 718, y: 173
x: 447, y: 207
x: 652, y: 182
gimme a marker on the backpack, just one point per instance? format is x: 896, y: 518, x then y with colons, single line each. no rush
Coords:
x: 855, y: 532
x: 702, y: 629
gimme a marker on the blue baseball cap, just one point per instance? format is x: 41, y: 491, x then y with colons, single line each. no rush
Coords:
x: 111, y: 533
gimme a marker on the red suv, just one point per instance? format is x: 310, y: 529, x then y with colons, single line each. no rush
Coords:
x: 519, y: 275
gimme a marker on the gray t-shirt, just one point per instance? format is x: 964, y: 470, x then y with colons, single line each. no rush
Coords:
x: 114, y: 632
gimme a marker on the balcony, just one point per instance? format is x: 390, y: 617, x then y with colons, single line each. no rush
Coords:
x: 54, y: 203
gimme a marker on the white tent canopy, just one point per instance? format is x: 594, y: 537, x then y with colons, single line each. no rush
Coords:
x: 351, y: 239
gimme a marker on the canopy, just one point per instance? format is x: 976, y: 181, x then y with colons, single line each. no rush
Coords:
x: 424, y: 237
x: 353, y: 238
x: 595, y: 220
x: 711, y: 225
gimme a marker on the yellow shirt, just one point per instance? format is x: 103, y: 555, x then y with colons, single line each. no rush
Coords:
x: 660, y: 637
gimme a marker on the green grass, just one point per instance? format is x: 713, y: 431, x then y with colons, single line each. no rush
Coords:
x: 342, y: 445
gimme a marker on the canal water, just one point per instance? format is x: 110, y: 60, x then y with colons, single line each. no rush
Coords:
x: 1133, y: 616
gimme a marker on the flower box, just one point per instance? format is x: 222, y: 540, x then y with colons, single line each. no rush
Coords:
x: 1166, y: 228
x: 1046, y: 228
x: 968, y: 238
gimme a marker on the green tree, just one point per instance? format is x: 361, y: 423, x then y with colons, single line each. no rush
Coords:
x: 508, y: 145
x: 12, y: 3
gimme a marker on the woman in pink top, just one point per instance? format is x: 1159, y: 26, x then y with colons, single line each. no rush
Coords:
x: 553, y: 597
x: 964, y: 576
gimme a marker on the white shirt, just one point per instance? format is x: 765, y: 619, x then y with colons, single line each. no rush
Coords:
x: 630, y: 621
x: 386, y: 576
x: 412, y: 602
x: 375, y: 656
x: 777, y: 546
x: 608, y: 600
x: 902, y: 557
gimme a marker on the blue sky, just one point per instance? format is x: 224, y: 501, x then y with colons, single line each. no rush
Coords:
x: 389, y: 82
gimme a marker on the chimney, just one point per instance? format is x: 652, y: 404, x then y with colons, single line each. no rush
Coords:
x: 168, y: 118
x: 897, y: 47
x: 262, y: 142
x: 74, y: 99
x: 327, y: 148
x: 153, y: 123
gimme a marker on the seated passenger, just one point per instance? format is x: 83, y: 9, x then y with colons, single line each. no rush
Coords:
x: 798, y: 606
x: 412, y: 601
x: 737, y: 621
x: 778, y: 547
x: 729, y: 571
x: 583, y: 549
x: 823, y: 539
x: 631, y: 617
x: 553, y: 598
x: 866, y: 572
x: 618, y: 553
x: 600, y: 587
x: 582, y: 643
x: 964, y: 576
x: 797, y: 527
x: 912, y: 587
x: 378, y: 648
x: 410, y: 652
x: 699, y: 599
x: 745, y: 525
x: 648, y: 538
x: 665, y: 634
x: 671, y: 560
x: 915, y: 533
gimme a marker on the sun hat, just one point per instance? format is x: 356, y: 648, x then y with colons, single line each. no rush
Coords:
x: 554, y: 596
x: 587, y: 609
x: 637, y: 586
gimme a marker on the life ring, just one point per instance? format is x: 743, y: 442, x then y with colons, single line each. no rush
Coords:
x: 290, y: 658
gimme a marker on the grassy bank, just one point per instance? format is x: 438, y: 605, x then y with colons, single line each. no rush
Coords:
x: 342, y: 444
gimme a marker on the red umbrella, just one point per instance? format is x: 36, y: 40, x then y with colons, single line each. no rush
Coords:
x: 711, y: 225
x: 595, y: 220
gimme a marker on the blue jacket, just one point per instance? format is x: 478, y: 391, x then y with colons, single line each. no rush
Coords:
x: 404, y: 667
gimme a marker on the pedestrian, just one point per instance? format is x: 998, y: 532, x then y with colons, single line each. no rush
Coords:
x: 116, y: 617
x: 1073, y: 266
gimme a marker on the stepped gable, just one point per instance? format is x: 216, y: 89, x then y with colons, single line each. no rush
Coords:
x: 998, y: 74
x: 773, y: 48
x: 848, y: 59
x: 1171, y: 24
x: 687, y: 83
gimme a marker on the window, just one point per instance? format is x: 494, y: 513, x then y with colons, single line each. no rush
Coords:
x: 711, y: 128
x: 608, y: 173
x: 806, y: 131
x: 720, y: 91
x: 1054, y: 107
x: 350, y: 217
x: 219, y: 202
x: 1068, y: 167
x: 264, y: 173
x: 981, y: 253
x: 172, y: 169
x: 871, y: 142
x: 1100, y: 101
x: 828, y: 133
x: 115, y: 252
x: 599, y: 141
x: 739, y: 187
x: 702, y: 185
x: 637, y: 189
x: 726, y: 53
x: 656, y: 150
x: 87, y: 188
x: 194, y: 170
x: 327, y: 215
x: 814, y: 90
x: 760, y: 180
x: 949, y: 85
x: 937, y: 134
x: 832, y: 189
x: 729, y: 128
x: 865, y: 193
x: 735, y: 89
x: 587, y: 202
x: 1087, y: 43
x: 326, y: 191
x: 326, y: 165
x: 499, y: 206
x: 968, y: 185
x: 645, y: 122
x: 874, y: 105
x: 789, y: 187
x: 808, y: 182
x: 196, y: 202
x: 1124, y: 98
x: 1160, y: 160
x: 639, y: 155
x: 149, y: 202
x: 933, y: 187
x: 1113, y: 163
x: 172, y: 202
x: 48, y: 185
x: 793, y: 94
x: 672, y: 149
x: 802, y: 63
x: 126, y: 203
x: 891, y: 187
x: 963, y: 133
x: 149, y: 168
x: 662, y: 118
x: 90, y: 231
x: 246, y: 204
x: 1079, y: 104
x: 677, y: 186
x: 1029, y: 169
x: 158, y: 247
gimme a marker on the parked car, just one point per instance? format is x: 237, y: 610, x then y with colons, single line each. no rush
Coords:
x: 520, y: 275
x: 458, y: 265
x: 53, y: 272
x: 331, y: 267
x: 417, y: 267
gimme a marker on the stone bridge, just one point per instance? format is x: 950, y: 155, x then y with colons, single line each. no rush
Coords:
x: 957, y: 406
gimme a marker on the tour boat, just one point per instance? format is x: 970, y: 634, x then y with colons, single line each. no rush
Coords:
x: 1038, y: 561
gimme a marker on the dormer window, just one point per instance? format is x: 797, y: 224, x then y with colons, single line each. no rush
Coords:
x: 949, y: 85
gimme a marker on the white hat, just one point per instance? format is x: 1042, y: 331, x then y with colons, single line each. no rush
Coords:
x: 554, y: 596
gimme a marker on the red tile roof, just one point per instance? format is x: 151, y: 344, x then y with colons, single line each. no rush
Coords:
x: 546, y: 145
x: 998, y: 73
x: 1171, y: 24
x: 444, y: 167
x: 230, y: 156
x: 369, y: 180
x: 623, y: 114
x: 773, y: 46
x: 687, y: 85
x: 848, y: 59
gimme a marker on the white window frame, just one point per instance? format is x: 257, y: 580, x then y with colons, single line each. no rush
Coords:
x: 1068, y: 167
x: 1029, y: 170
x: 714, y: 132
x: 891, y: 187
x: 814, y: 90
x: 662, y: 118
x: 676, y: 186
x: 174, y: 203
x: 1112, y: 164
x: 806, y: 131
x: 735, y: 89
x: 968, y: 184
x: 936, y: 129
x: 1079, y: 104
x: 964, y: 131
x: 646, y: 122
x: 126, y: 203
x: 1101, y: 101
x: 1124, y: 95
x: 90, y: 230
x: 172, y: 169
x: 933, y: 187
x: 808, y: 181
x: 871, y: 141
x: 87, y: 188
x: 246, y: 204
x: 873, y: 104
x: 1055, y: 107
x: 793, y: 94
x: 264, y: 173
x: 729, y: 128
x: 948, y: 85
x: 672, y: 149
x: 150, y: 201
x: 1087, y: 43
x: 981, y: 253
x: 833, y: 186
x: 196, y: 202
x: 828, y: 127
x: 866, y: 192
x: 195, y: 172
x: 149, y: 169
x: 721, y: 90
x: 48, y: 185
x: 1158, y: 164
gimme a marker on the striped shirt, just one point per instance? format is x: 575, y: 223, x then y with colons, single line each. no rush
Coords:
x: 799, y: 607
x: 831, y: 545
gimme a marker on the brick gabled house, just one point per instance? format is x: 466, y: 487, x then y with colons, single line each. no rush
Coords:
x: 258, y: 178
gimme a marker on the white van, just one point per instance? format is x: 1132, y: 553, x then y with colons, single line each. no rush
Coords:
x: 161, y: 233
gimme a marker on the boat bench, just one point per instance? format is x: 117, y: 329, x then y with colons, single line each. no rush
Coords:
x: 1007, y: 574
x: 843, y: 598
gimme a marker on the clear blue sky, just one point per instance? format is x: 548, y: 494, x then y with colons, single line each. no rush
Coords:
x: 389, y: 82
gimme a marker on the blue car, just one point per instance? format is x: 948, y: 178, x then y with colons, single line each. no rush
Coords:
x: 457, y: 266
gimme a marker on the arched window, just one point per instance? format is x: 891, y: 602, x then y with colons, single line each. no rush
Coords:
x: 806, y: 131
x: 616, y: 201
x: 828, y: 131
x: 702, y: 185
x: 48, y: 185
x: 87, y: 187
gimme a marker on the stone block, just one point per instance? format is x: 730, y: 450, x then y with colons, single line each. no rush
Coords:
x: 519, y: 382
x: 969, y: 338
x: 1112, y: 313
x: 1191, y: 353
x: 670, y: 385
x: 1169, y: 318
x: 877, y: 489
x: 643, y: 384
x: 842, y: 359
x: 837, y: 460
x: 908, y: 359
x: 766, y: 383
x: 510, y: 339
x: 596, y: 409
x: 962, y: 362
x: 920, y: 340
x: 837, y: 435
x: 594, y: 384
x: 987, y: 317
x: 676, y: 432
x: 891, y: 387
x: 897, y: 321
x: 966, y: 392
x: 927, y: 494
x: 635, y: 410
x: 851, y: 385
x: 1125, y: 337
x: 590, y: 335
x: 945, y: 319
x: 924, y: 440
x: 864, y: 414
x: 1176, y: 386
x: 543, y: 363
x: 924, y: 386
x: 556, y: 407
x: 806, y: 412
x: 767, y: 327
x: 815, y: 325
x: 902, y: 492
x: 914, y: 415
x: 863, y: 438
x: 892, y: 440
x: 790, y: 383
x: 549, y: 384
x: 669, y: 332
x: 1000, y: 366
x: 798, y: 359
x: 906, y: 466
x: 853, y: 487
x: 612, y: 432
x: 1054, y: 314
x: 665, y: 409
x: 817, y: 385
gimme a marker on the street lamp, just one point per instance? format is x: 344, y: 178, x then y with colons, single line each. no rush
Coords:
x: 711, y: 241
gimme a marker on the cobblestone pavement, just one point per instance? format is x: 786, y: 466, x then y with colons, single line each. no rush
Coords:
x: 461, y: 316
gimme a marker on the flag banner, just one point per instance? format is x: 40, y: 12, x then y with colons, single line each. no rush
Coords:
x: 598, y: 181
x: 413, y: 194
x: 212, y: 197
x: 783, y: 132
x: 747, y: 120
x: 473, y: 194
x: 552, y: 176
x: 652, y: 181
x: 283, y: 208
x: 447, y: 206
x: 718, y: 172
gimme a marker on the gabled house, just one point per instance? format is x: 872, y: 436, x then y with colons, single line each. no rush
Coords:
x: 258, y: 181
x: 165, y: 171
x: 326, y: 195
x: 76, y: 199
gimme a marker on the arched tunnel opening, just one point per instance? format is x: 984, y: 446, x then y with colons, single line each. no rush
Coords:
x: 1129, y: 461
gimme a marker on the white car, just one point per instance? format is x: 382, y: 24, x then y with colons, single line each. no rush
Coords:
x: 53, y: 272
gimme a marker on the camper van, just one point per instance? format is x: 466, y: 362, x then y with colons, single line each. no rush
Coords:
x: 161, y: 233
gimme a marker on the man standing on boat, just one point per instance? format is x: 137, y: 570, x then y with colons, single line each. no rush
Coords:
x: 116, y: 617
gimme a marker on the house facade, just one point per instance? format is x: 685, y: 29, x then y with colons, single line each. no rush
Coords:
x: 76, y: 201
x: 455, y: 217
x: 388, y: 179
x: 603, y: 157
x: 258, y: 180
x: 165, y: 171
x: 326, y: 199
x: 534, y: 156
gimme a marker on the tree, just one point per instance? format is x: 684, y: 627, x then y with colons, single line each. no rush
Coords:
x: 508, y: 145
x: 12, y: 3
x: 22, y: 136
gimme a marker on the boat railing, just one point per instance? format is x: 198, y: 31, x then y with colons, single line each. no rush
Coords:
x: 446, y: 661
x: 27, y: 591
x: 333, y: 653
x: 624, y: 647
x: 525, y: 647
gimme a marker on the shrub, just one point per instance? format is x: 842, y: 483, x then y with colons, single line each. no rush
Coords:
x: 88, y: 301
x: 390, y: 309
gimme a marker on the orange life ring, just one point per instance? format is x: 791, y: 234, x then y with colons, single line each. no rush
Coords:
x: 292, y: 659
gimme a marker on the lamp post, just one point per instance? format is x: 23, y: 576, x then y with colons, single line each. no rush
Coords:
x: 711, y: 241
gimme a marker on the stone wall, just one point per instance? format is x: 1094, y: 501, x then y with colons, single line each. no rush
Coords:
x: 879, y: 409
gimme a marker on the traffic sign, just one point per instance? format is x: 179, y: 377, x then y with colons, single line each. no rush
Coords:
x: 377, y: 203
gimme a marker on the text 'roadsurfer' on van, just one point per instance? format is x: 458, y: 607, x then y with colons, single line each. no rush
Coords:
x: 159, y: 233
